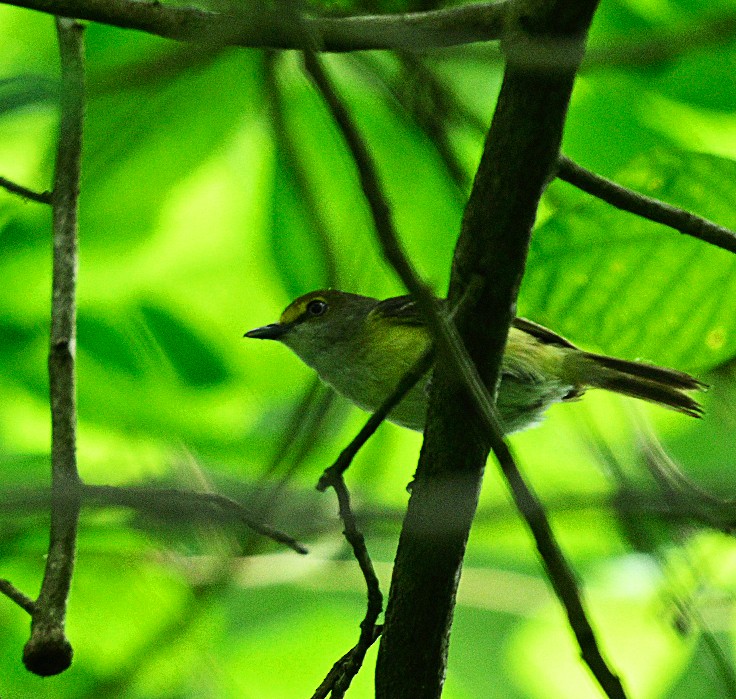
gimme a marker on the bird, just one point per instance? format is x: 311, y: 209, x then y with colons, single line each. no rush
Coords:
x: 362, y: 347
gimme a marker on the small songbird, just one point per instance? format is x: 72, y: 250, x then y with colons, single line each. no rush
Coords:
x: 362, y: 347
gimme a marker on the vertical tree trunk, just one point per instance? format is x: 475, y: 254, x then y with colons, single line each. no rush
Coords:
x: 543, y: 46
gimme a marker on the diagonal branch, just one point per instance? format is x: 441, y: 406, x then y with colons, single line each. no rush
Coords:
x: 48, y: 652
x: 338, y: 669
x: 260, y: 27
x: 21, y: 599
x: 24, y: 192
x: 348, y: 453
x: 647, y: 207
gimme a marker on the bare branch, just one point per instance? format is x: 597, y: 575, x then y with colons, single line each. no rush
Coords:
x: 48, y: 652
x: 21, y: 599
x: 262, y: 27
x: 24, y: 192
x: 338, y: 669
x: 171, y: 502
x: 339, y: 678
x: 647, y: 207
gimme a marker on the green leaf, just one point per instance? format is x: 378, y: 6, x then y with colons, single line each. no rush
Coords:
x: 632, y: 288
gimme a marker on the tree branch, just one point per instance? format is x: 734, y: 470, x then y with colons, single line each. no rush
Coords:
x: 261, y: 27
x: 338, y: 669
x: 22, y: 600
x: 172, y: 501
x: 647, y: 207
x: 341, y: 675
x: 48, y: 652
x: 487, y: 269
x: 24, y: 192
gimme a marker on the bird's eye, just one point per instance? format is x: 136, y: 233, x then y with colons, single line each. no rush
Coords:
x: 317, y: 307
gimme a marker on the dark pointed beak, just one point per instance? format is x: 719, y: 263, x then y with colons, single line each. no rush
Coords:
x: 268, y: 332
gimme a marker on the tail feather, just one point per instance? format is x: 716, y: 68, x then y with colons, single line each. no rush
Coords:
x: 651, y: 372
x: 656, y: 384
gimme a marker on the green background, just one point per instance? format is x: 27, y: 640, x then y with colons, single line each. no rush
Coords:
x: 216, y: 188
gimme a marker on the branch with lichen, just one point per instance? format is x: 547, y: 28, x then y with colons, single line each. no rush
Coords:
x: 48, y: 652
x: 258, y: 26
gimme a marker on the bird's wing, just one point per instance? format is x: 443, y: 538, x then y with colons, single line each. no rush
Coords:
x: 401, y: 309
x: 544, y: 335
x: 404, y: 310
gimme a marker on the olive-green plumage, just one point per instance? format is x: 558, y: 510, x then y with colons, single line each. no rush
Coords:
x: 362, y: 347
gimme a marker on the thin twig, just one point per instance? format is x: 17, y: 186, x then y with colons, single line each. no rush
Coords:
x: 559, y: 571
x: 340, y: 676
x: 647, y: 207
x: 171, y: 501
x: 338, y: 669
x: 260, y: 27
x: 347, y: 455
x: 440, y: 326
x: 24, y: 192
x: 48, y: 652
x: 21, y: 599
x: 350, y: 664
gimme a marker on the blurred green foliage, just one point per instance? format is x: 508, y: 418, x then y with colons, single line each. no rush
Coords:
x: 215, y: 189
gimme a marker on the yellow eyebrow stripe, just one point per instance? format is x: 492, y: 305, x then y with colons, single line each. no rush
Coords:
x: 297, y: 309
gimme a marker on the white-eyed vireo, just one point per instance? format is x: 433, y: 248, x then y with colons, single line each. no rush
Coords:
x: 362, y: 347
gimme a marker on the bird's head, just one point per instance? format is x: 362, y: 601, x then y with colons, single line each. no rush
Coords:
x: 316, y: 325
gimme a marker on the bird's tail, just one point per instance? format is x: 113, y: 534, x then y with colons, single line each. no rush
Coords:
x: 667, y: 387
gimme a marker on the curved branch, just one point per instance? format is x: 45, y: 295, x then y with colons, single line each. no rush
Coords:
x: 264, y: 28
x: 347, y: 455
x: 647, y: 207
x: 341, y: 675
x: 171, y: 501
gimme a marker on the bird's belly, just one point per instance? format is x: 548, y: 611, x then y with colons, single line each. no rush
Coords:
x: 522, y: 400
x: 522, y: 403
x: 368, y: 391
